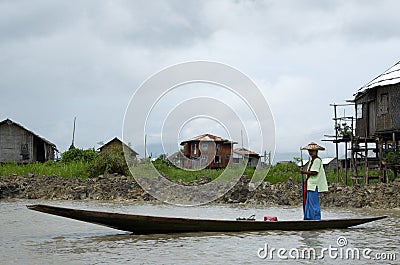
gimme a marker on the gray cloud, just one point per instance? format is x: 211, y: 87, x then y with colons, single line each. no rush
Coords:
x: 24, y: 20
x: 61, y: 59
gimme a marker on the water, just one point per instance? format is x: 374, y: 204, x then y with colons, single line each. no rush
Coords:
x: 28, y: 237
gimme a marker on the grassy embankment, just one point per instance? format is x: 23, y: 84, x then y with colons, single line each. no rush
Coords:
x: 81, y: 169
x: 277, y: 173
x: 75, y: 169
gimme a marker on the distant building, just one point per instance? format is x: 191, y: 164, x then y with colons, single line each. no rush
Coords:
x: 328, y: 162
x: 208, y: 150
x: 177, y: 158
x: 116, y: 143
x: 239, y: 154
x: 18, y: 144
x: 285, y: 162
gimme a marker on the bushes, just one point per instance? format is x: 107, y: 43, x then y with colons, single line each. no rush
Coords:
x: 76, y: 154
x: 74, y: 163
x: 281, y: 172
x: 392, y: 157
x: 112, y: 161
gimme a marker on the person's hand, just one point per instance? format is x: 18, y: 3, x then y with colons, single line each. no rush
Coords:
x: 303, y: 172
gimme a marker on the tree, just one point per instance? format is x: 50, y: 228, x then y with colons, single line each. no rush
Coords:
x: 112, y: 161
x: 76, y: 154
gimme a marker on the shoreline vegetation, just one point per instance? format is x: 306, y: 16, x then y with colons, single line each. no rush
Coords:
x: 86, y: 175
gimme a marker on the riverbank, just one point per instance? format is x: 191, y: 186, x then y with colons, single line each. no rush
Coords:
x: 118, y: 187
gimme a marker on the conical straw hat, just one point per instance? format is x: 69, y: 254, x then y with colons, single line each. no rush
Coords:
x: 312, y: 146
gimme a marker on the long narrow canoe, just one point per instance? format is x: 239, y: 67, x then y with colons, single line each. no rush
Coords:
x: 142, y: 224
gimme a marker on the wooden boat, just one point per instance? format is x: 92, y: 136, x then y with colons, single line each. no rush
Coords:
x: 142, y: 224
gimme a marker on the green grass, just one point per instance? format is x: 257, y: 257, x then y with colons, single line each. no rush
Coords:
x: 282, y: 172
x: 79, y: 169
x: 76, y: 169
x: 332, y: 176
x: 277, y: 173
x: 173, y: 173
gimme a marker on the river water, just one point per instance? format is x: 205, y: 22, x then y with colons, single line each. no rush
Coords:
x: 29, y: 237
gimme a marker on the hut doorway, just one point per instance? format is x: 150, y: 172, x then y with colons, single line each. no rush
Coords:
x: 40, y: 152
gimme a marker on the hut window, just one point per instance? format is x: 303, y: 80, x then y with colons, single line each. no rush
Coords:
x: 359, y: 111
x: 218, y: 147
x: 204, y: 146
x: 195, y: 149
x: 384, y: 104
x: 217, y: 159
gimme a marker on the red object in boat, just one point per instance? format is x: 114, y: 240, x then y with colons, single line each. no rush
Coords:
x: 270, y: 218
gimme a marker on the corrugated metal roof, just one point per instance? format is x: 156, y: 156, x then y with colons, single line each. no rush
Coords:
x: 389, y: 77
x: 244, y: 151
x: 208, y: 138
x: 8, y: 121
x: 325, y: 161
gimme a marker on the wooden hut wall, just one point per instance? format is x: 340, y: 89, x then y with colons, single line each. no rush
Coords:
x: 363, y: 122
x: 20, y: 145
x: 394, y: 106
x: 380, y: 110
x: 16, y: 144
x: 111, y: 146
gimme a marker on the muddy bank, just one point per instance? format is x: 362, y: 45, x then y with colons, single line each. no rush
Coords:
x: 117, y: 187
x: 380, y: 195
x: 112, y: 187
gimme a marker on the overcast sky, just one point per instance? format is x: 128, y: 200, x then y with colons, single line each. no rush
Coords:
x: 61, y: 59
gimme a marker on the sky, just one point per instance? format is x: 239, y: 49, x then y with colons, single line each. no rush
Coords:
x: 64, y: 59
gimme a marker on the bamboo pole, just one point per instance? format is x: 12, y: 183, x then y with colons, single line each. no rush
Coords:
x: 336, y: 144
x: 302, y: 181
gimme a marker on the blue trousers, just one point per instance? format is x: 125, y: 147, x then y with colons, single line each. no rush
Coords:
x: 312, y: 210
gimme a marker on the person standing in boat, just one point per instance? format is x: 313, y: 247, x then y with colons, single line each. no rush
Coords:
x: 315, y: 182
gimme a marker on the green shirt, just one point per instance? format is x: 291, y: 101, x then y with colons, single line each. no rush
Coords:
x: 318, y: 180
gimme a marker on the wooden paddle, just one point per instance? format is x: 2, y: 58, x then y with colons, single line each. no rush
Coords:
x: 303, y: 184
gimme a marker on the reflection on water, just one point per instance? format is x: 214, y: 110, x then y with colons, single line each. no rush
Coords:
x: 310, y: 239
x: 29, y: 237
